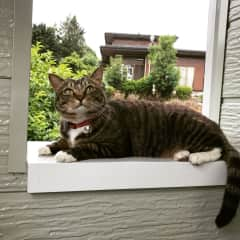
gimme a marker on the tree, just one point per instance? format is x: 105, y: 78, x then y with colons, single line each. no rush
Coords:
x: 48, y: 37
x: 164, y: 73
x: 90, y: 57
x: 72, y: 37
x: 64, y: 41
x: 115, y: 74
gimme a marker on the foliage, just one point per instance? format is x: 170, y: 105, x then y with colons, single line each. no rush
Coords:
x: 48, y: 37
x: 81, y: 66
x: 109, y: 90
x: 141, y: 87
x: 90, y: 57
x: 164, y: 73
x: 64, y: 40
x: 183, y: 92
x: 72, y: 38
x: 42, y: 118
x: 115, y: 74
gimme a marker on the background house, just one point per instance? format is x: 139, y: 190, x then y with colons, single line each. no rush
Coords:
x: 134, y: 50
x: 173, y: 214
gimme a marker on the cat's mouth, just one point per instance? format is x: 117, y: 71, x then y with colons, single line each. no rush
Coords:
x: 65, y: 113
x: 82, y: 111
x: 78, y: 112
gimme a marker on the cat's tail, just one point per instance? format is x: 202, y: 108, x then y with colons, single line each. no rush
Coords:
x: 232, y: 191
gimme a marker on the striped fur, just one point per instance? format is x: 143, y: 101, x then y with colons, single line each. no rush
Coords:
x: 140, y: 128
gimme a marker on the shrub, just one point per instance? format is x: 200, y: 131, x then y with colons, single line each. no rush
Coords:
x: 109, y: 90
x: 115, y: 74
x: 183, y: 92
x: 42, y: 118
x: 141, y: 87
x: 164, y: 73
x: 129, y: 87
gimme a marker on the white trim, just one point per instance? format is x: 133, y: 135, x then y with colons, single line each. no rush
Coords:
x: 45, y: 175
x: 214, y: 65
x: 19, y: 85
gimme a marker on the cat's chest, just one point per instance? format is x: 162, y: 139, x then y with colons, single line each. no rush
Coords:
x: 74, y: 133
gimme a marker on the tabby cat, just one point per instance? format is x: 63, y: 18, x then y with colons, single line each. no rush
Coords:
x: 92, y: 127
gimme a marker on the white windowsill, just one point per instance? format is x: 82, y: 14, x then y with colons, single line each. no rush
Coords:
x: 45, y: 175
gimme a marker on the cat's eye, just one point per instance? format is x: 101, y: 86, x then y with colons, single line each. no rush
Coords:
x: 68, y: 92
x: 89, y: 89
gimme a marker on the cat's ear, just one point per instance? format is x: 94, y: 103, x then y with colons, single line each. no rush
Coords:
x: 55, y: 81
x: 97, y: 75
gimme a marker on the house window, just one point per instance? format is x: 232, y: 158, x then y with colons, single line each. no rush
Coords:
x: 186, y: 76
x: 109, y: 175
x: 130, y: 71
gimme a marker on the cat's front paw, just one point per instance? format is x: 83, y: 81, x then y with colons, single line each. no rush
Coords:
x: 44, y: 151
x: 181, y: 155
x: 62, y: 156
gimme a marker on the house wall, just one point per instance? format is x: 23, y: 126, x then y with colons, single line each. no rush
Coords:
x: 197, y: 63
x: 173, y: 214
x: 137, y: 64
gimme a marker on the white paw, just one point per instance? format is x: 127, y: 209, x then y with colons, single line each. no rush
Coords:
x: 196, y: 158
x: 44, y: 151
x: 62, y: 156
x: 204, y: 157
x: 181, y: 155
x: 216, y: 154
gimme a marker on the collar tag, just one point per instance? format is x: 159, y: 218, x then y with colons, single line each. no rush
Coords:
x: 87, y: 129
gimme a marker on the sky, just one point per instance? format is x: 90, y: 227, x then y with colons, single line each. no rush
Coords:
x: 187, y: 19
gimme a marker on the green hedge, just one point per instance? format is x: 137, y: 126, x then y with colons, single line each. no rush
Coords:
x: 183, y: 92
x: 141, y: 87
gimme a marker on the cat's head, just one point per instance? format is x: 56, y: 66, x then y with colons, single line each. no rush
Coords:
x: 77, y: 100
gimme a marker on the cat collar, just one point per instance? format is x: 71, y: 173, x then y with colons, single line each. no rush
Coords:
x: 78, y: 125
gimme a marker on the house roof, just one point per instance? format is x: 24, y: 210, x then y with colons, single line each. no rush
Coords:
x: 141, y: 52
x: 127, y: 51
x: 137, y: 51
x: 190, y: 53
x: 109, y: 36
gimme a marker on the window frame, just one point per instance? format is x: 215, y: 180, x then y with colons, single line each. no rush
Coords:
x: 22, y: 38
x: 215, y: 56
x: 184, y: 79
x: 218, y: 12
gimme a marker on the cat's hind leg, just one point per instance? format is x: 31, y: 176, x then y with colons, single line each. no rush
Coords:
x: 199, y: 158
